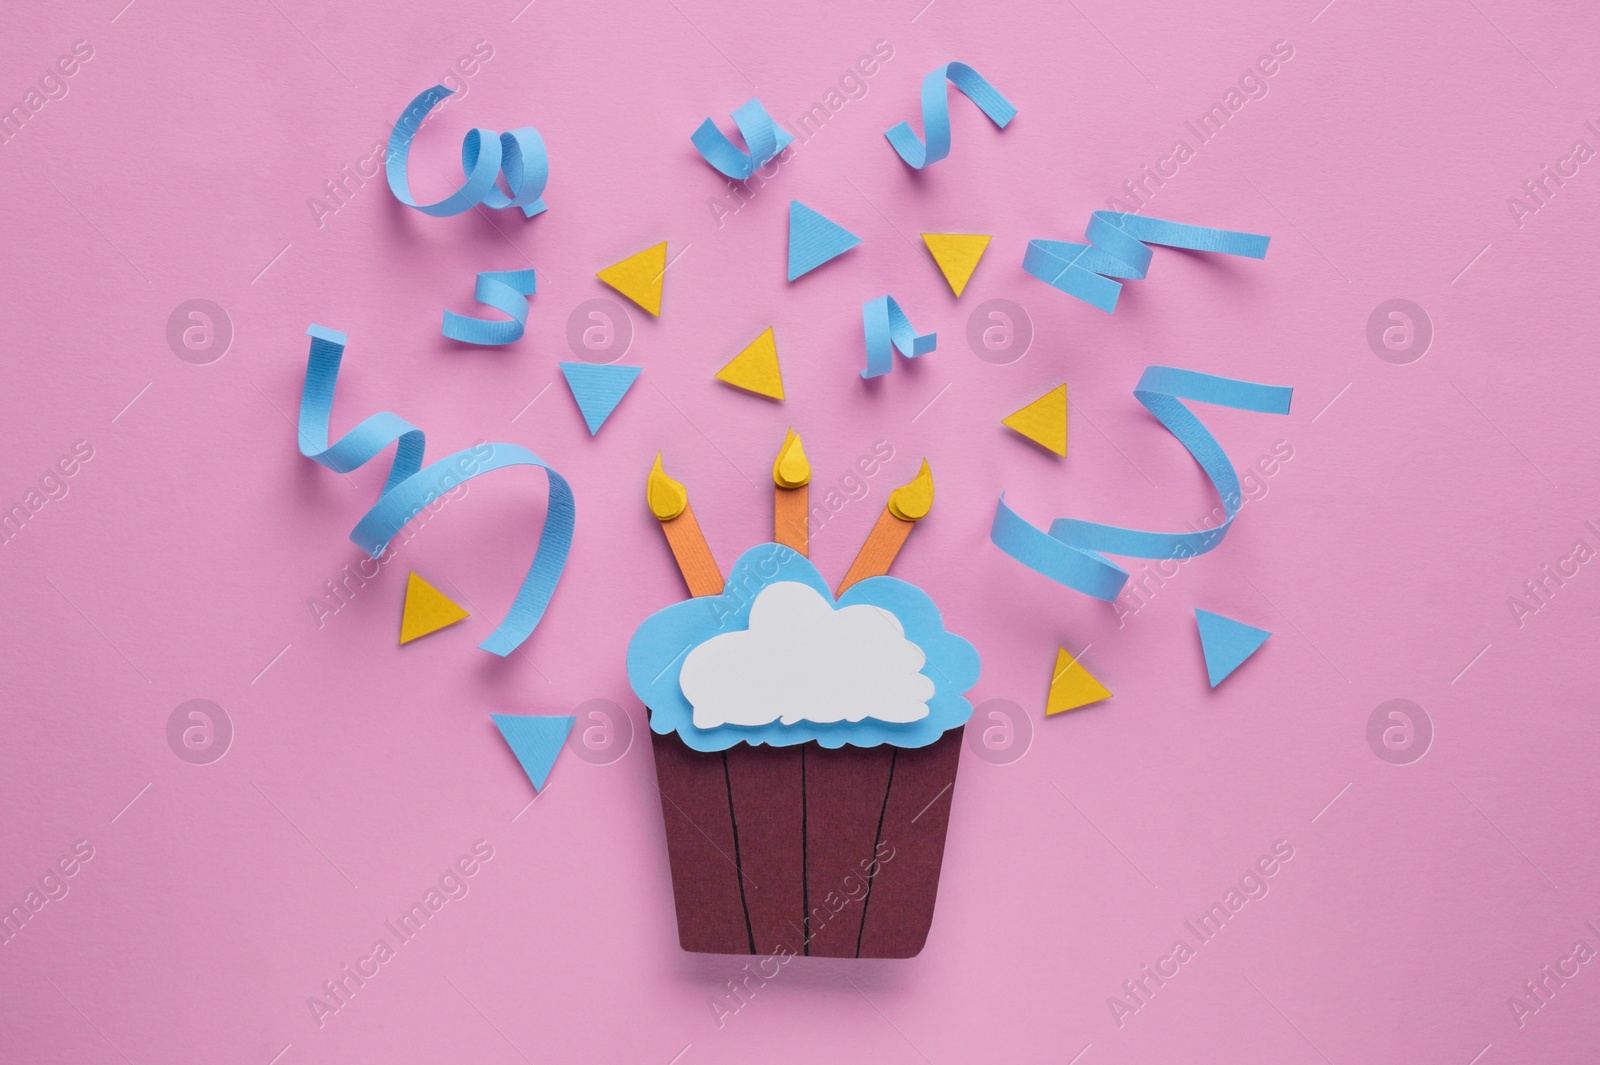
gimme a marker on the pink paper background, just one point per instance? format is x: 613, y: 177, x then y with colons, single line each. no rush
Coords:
x: 182, y: 561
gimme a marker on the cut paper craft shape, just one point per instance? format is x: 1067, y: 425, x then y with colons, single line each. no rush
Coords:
x: 762, y: 136
x: 507, y: 291
x: 485, y: 154
x: 813, y: 239
x: 1226, y: 643
x: 956, y: 255
x: 755, y: 369
x: 883, y: 323
x: 1076, y: 269
x: 1070, y: 553
x: 1044, y: 421
x: 640, y: 276
x: 598, y: 389
x: 906, y: 506
x: 427, y: 610
x: 936, y: 113
x: 412, y: 486
x: 536, y: 741
x: 1072, y: 686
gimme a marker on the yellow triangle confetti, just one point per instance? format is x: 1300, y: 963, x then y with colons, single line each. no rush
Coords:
x: 957, y: 255
x: 1044, y: 421
x: 639, y: 277
x: 427, y: 610
x: 1072, y: 686
x: 755, y: 369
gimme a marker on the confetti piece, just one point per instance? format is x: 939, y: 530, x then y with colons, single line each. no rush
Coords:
x: 536, y: 741
x: 427, y: 610
x: 1226, y: 643
x: 506, y: 291
x: 520, y: 155
x: 1076, y: 269
x: 884, y: 324
x: 639, y: 277
x: 936, y: 113
x: 598, y: 389
x: 1070, y: 553
x: 956, y: 255
x: 762, y: 137
x: 813, y: 239
x: 1044, y: 421
x: 755, y: 369
x: 1072, y: 686
x: 412, y: 486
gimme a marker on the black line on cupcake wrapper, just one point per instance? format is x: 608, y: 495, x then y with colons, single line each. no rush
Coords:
x: 877, y: 840
x: 738, y: 862
x: 805, y: 859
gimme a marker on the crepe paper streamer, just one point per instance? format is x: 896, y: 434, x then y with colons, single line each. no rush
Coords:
x: 485, y: 154
x: 936, y: 113
x: 885, y: 324
x: 956, y: 255
x: 1072, y: 686
x: 427, y: 610
x: 506, y: 291
x: 814, y: 239
x: 1226, y: 643
x: 411, y: 486
x: 1044, y: 421
x: 598, y: 389
x: 755, y: 369
x: 761, y: 135
x: 639, y: 277
x: 1076, y: 269
x: 659, y: 647
x: 1070, y: 553
x: 536, y: 741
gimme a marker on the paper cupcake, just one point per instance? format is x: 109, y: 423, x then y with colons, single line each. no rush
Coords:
x: 805, y: 742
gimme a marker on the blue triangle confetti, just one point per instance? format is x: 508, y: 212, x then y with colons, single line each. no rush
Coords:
x: 813, y: 239
x: 598, y: 389
x: 1226, y: 643
x: 536, y: 741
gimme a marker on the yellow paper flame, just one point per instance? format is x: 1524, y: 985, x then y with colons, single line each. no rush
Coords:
x: 667, y: 497
x: 791, y: 469
x: 912, y: 501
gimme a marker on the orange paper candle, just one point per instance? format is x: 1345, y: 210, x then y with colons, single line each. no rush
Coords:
x: 669, y: 502
x: 907, y: 505
x: 791, y: 495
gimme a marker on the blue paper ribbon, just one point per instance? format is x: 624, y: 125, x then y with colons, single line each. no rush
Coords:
x: 761, y: 136
x: 1076, y: 269
x: 504, y: 290
x: 1070, y: 553
x: 936, y: 113
x: 412, y: 486
x: 485, y: 154
x: 884, y: 323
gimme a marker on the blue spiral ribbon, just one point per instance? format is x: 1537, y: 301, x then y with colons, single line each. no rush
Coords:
x: 761, y: 136
x: 506, y: 291
x: 1076, y: 269
x: 485, y: 154
x: 412, y: 486
x: 936, y: 113
x: 1070, y: 553
x: 884, y: 323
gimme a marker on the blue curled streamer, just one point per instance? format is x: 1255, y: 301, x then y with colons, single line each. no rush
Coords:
x: 761, y: 135
x: 936, y: 113
x: 412, y: 486
x: 1076, y: 269
x: 884, y: 323
x: 1070, y: 553
x: 485, y: 154
x: 504, y: 290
